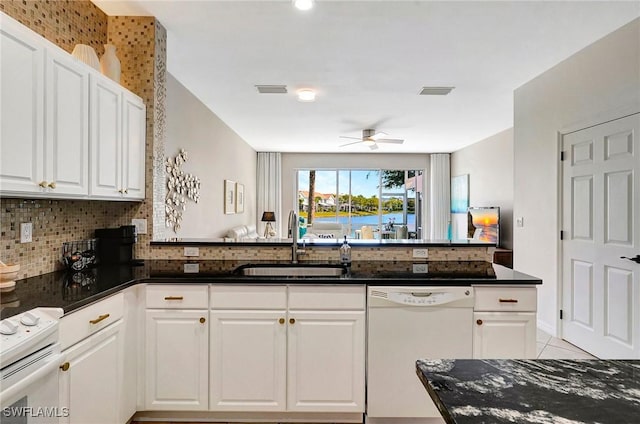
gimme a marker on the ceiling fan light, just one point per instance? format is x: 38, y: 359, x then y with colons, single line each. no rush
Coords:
x: 369, y: 142
x: 303, y: 4
x: 306, y: 95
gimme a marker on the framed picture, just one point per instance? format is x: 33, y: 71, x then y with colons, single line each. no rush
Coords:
x: 460, y: 194
x: 239, y: 198
x: 229, y: 197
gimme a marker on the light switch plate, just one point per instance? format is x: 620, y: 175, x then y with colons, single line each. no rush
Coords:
x: 191, y: 268
x: 191, y: 251
x: 141, y: 225
x: 420, y: 268
x: 26, y: 232
x: 520, y: 222
x: 421, y: 253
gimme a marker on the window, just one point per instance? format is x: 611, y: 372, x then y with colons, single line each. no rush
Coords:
x: 387, y: 202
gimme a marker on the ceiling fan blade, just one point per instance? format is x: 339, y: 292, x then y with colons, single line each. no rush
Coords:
x: 373, y: 147
x: 349, y: 144
x: 390, y: 140
x: 354, y: 138
x: 378, y: 136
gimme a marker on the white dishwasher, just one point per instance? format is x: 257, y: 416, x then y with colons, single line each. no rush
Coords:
x: 406, y: 324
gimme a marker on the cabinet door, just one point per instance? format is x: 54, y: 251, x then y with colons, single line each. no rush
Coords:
x: 177, y: 360
x: 504, y: 335
x: 326, y: 356
x: 89, y: 388
x: 67, y: 135
x: 133, y: 147
x: 21, y: 108
x: 248, y: 360
x: 106, y: 142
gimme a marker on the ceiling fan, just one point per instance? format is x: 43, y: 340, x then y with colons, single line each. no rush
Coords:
x: 371, y: 138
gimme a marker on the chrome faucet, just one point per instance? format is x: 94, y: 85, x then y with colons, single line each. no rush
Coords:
x: 293, y: 233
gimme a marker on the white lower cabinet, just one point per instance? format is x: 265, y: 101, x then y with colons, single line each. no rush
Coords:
x: 90, y: 379
x: 504, y: 323
x: 177, y: 364
x: 326, y: 361
x: 279, y: 348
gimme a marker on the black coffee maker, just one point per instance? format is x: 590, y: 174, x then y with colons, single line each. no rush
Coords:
x: 115, y: 245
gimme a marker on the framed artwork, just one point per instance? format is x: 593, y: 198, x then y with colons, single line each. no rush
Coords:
x: 229, y: 197
x: 239, y: 198
x: 460, y: 194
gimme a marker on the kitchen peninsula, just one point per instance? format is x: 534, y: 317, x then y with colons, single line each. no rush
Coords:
x: 533, y: 391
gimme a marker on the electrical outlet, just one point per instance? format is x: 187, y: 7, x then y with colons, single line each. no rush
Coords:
x: 191, y: 251
x: 421, y: 253
x: 520, y: 222
x: 420, y: 268
x: 26, y: 232
x: 141, y: 225
x: 191, y: 268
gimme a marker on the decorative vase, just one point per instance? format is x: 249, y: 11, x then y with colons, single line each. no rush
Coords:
x: 87, y: 55
x: 109, y: 63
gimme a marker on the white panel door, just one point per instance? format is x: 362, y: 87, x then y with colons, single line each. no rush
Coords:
x: 248, y: 360
x: 90, y: 387
x: 502, y: 335
x: 67, y: 110
x: 21, y: 108
x: 326, y: 352
x: 133, y: 146
x: 106, y: 138
x: 177, y: 360
x: 601, y: 224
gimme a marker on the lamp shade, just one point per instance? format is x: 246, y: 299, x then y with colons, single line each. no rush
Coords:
x: 268, y: 217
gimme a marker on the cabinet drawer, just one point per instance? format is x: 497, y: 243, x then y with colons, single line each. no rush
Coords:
x: 177, y: 296
x: 248, y: 297
x: 326, y: 297
x: 505, y: 299
x: 86, y: 321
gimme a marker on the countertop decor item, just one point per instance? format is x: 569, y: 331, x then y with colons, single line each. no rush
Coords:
x: 180, y: 186
x: 533, y: 391
x: 268, y: 217
x: 79, y: 255
x: 86, y: 54
x: 109, y: 63
x: 8, y: 274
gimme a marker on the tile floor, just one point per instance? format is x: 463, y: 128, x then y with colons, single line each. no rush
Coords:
x: 549, y: 347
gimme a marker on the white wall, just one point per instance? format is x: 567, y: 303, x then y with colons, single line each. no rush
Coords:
x: 216, y: 153
x: 293, y: 161
x: 603, y: 77
x: 489, y: 164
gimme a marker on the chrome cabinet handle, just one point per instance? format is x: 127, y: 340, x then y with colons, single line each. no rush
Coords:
x: 100, y: 318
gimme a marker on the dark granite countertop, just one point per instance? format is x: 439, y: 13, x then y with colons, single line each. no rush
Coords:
x: 318, y: 242
x: 533, y: 391
x: 71, y: 291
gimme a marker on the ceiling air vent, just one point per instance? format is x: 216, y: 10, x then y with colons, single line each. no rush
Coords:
x: 435, y: 91
x: 272, y: 89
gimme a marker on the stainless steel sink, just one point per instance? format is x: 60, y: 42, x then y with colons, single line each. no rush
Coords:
x: 291, y: 270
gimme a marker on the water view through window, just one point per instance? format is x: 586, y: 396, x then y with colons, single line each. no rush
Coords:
x: 371, y: 203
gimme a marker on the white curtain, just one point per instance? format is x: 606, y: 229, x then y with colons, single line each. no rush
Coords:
x: 440, y: 196
x: 269, y: 197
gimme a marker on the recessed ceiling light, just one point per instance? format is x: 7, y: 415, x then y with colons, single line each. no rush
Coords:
x: 435, y: 91
x: 306, y: 95
x: 303, y: 4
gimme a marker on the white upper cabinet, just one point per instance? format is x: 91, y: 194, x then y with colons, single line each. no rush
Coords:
x: 67, y: 131
x: 22, y: 108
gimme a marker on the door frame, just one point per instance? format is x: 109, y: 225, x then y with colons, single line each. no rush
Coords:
x: 598, y: 119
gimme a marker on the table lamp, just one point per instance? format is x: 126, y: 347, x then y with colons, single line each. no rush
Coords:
x: 269, y: 217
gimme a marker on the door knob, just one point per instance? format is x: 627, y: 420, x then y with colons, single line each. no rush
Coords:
x: 635, y: 259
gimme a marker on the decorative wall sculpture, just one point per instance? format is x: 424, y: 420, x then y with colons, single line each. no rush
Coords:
x: 180, y: 187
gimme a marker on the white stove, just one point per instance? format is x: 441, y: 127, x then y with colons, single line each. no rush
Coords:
x: 29, y: 361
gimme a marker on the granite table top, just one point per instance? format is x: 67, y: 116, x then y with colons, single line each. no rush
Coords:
x: 533, y: 391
